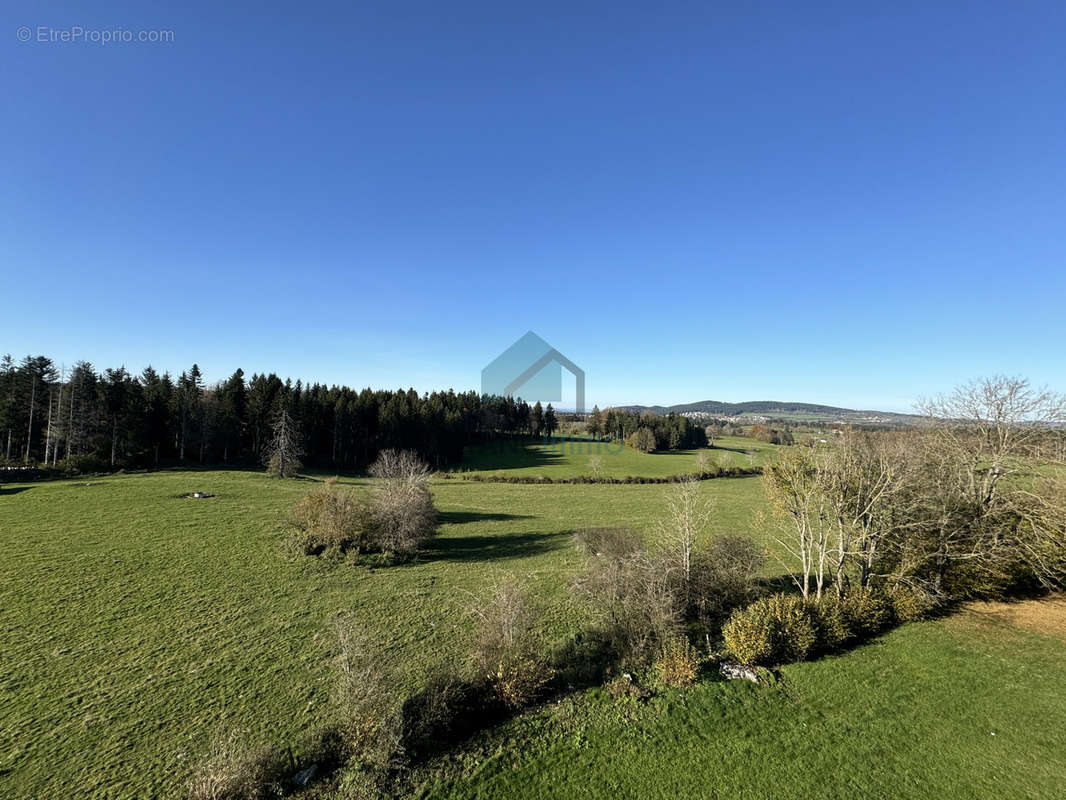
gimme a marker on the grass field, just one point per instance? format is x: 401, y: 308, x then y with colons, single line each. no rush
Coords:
x: 137, y: 622
x: 973, y: 706
x: 567, y: 459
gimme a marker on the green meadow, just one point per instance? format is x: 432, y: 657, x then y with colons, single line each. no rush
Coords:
x: 138, y: 622
x: 569, y: 458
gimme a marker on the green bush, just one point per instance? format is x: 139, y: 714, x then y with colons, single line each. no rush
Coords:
x: 773, y: 630
x: 869, y: 611
x: 832, y: 623
x: 749, y: 635
x: 911, y: 605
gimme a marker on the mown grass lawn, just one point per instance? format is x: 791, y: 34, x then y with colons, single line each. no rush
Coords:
x: 568, y: 459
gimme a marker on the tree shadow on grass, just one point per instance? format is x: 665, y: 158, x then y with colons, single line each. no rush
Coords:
x: 493, y: 548
x: 462, y: 517
x: 14, y: 489
x: 503, y: 454
x: 740, y: 450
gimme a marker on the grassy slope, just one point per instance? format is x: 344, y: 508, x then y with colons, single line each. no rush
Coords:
x: 568, y: 459
x: 909, y: 716
x: 135, y: 622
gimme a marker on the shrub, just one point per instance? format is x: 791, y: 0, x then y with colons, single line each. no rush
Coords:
x: 506, y: 651
x: 235, y: 771
x: 869, y: 611
x: 749, y: 636
x: 911, y: 605
x: 642, y: 439
x: 773, y: 630
x: 330, y: 522
x: 678, y: 664
x: 634, y: 595
x: 832, y: 624
x: 399, y: 464
x: 585, y: 659
x: 367, y: 711
x: 401, y: 503
x: 623, y: 686
x: 610, y: 542
x: 725, y: 577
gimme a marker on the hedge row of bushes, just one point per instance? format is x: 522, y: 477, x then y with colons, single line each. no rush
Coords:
x: 705, y: 475
x: 783, y: 628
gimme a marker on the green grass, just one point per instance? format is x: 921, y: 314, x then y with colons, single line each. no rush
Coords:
x: 571, y: 458
x: 136, y: 623
x: 958, y: 708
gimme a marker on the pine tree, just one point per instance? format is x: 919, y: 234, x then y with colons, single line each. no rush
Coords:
x: 550, y: 422
x: 595, y: 425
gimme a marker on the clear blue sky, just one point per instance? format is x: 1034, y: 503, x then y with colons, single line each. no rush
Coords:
x: 754, y: 201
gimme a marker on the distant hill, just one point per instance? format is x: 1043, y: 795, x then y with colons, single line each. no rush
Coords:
x: 775, y: 409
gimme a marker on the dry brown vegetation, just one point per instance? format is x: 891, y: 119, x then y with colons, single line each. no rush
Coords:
x: 1046, y: 616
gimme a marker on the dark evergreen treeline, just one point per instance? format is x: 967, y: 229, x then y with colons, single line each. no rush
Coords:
x: 89, y: 419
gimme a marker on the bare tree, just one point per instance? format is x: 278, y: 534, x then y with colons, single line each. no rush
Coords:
x: 792, y: 483
x: 284, y: 451
x: 29, y: 433
x: 404, y: 464
x: 859, y: 478
x: 688, y: 511
x: 989, y: 424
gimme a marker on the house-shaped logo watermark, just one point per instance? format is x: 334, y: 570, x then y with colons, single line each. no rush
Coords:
x: 533, y: 370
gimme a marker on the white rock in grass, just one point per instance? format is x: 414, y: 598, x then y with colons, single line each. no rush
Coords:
x: 733, y: 671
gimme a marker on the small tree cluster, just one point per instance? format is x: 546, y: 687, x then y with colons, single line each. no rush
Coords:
x: 942, y: 509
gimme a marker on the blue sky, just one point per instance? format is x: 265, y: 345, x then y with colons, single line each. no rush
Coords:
x: 752, y: 201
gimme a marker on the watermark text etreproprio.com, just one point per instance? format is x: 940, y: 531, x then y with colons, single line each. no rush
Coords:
x: 78, y: 34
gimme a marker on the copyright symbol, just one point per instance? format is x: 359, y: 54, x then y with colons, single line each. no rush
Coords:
x: 24, y: 33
